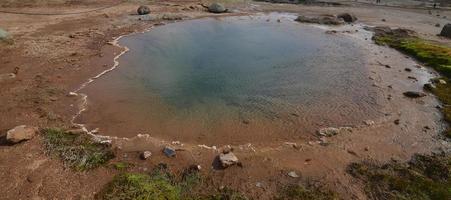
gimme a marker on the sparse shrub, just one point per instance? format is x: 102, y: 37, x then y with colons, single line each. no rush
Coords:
x: 76, y: 151
x: 301, y: 192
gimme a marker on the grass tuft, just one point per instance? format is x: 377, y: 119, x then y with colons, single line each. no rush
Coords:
x: 424, y: 177
x: 76, y: 151
x: 300, y: 192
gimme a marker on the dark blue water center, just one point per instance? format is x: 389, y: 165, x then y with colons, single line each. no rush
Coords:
x: 236, y: 68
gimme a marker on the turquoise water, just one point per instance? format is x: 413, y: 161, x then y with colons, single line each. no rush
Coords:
x: 213, y: 72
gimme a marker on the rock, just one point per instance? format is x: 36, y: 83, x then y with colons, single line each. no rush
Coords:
x: 143, y: 10
x: 396, y: 121
x: 216, y: 8
x: 21, y: 133
x: 7, y: 76
x: 369, y: 122
x: 145, y: 155
x: 326, y: 20
x: 227, y: 159
x: 413, y: 94
x: 293, y: 174
x: 259, y: 184
x: 347, y: 17
x: 227, y: 149
x: 72, y: 94
x: 169, y: 152
x: 437, y: 25
x: 429, y: 86
x: 407, y: 69
x: 446, y: 31
x: 384, y: 20
x: 441, y: 81
x: 329, y: 131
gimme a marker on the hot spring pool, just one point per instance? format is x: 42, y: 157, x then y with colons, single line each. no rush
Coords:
x: 232, y: 79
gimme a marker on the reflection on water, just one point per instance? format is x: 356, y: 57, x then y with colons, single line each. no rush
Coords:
x: 208, y: 77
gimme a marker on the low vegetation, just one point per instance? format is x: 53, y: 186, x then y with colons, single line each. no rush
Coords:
x: 301, y: 192
x: 160, y: 183
x: 75, y: 150
x: 424, y: 177
x: 431, y: 54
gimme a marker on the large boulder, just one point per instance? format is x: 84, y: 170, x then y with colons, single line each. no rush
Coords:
x: 227, y: 159
x: 446, y: 31
x: 21, y: 133
x: 143, y: 10
x: 216, y: 8
x: 326, y: 20
x: 347, y: 17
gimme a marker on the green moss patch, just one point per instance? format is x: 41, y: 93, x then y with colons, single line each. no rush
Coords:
x: 431, y: 54
x: 75, y: 150
x: 424, y: 177
x: 301, y: 192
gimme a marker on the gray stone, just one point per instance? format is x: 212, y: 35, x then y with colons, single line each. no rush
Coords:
x: 145, y: 155
x: 217, y: 8
x: 21, y: 133
x: 227, y: 159
x: 446, y: 31
x: 143, y: 10
x: 169, y: 152
x: 414, y: 94
x: 347, y: 17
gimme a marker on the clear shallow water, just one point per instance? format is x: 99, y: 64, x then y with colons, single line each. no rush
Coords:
x: 232, y: 79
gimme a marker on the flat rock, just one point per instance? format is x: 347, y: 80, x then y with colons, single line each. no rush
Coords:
x: 414, y: 94
x: 293, y: 174
x: 228, y: 159
x: 330, y: 131
x: 327, y: 20
x: 21, y: 133
x: 169, y: 152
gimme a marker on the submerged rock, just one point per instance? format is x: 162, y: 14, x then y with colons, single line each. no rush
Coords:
x: 217, y: 8
x: 446, y: 31
x: 414, y: 94
x: 327, y: 20
x: 228, y: 159
x: 21, y: 133
x: 347, y: 17
x: 143, y: 10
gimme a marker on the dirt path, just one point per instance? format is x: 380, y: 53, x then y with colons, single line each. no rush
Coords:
x: 56, y: 53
